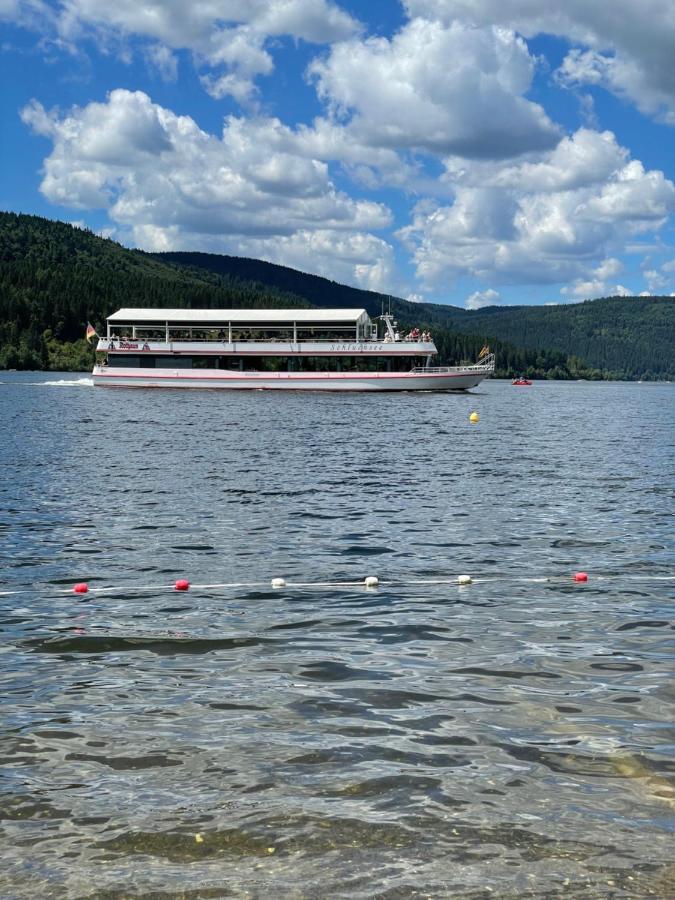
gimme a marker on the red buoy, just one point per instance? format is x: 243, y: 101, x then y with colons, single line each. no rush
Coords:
x: 81, y: 587
x: 581, y: 576
x: 182, y: 584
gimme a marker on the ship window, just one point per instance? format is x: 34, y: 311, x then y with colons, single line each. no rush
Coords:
x: 173, y: 362
x: 264, y: 363
x: 124, y: 360
x: 232, y: 363
x: 351, y: 363
x: 337, y: 334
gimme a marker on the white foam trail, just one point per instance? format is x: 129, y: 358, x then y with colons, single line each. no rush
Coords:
x: 64, y: 382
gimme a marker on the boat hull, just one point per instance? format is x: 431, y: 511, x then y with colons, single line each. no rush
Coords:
x: 118, y: 376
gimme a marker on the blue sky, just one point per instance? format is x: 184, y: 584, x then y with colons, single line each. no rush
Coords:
x: 459, y: 151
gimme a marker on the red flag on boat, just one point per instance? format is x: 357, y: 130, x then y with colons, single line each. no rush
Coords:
x: 91, y: 332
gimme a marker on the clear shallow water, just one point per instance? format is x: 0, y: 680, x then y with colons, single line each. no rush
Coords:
x: 509, y: 738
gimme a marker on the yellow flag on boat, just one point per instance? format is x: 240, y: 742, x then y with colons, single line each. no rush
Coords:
x: 485, y: 351
x: 91, y: 332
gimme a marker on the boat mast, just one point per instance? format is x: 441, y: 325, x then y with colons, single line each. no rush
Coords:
x: 388, y: 320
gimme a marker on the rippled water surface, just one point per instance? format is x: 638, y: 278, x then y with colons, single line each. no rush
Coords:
x: 513, y: 737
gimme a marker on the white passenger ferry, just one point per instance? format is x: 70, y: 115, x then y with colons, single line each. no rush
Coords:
x: 289, y: 349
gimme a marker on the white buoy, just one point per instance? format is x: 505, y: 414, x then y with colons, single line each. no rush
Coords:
x: 278, y: 583
x: 371, y: 581
x: 463, y: 579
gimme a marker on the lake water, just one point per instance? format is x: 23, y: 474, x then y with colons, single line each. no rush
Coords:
x: 509, y: 738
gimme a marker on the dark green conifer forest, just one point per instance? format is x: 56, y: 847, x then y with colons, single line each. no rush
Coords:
x: 54, y: 278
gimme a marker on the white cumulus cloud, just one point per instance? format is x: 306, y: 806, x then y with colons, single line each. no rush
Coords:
x: 453, y: 89
x: 229, y: 37
x: 627, y: 48
x: 481, y: 299
x: 363, y: 260
x: 163, y: 61
x: 597, y: 283
x: 171, y: 185
x: 554, y: 220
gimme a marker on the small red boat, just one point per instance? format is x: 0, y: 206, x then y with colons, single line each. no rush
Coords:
x: 521, y: 382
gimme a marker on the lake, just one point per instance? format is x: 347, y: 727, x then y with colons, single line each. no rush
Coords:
x: 512, y: 737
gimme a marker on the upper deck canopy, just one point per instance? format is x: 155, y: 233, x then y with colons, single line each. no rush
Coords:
x: 197, y: 317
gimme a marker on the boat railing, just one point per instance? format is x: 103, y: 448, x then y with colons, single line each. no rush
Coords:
x: 485, y: 365
x: 255, y: 340
x: 224, y: 340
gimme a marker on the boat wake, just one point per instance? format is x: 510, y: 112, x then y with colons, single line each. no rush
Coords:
x: 61, y: 382
x: 67, y: 382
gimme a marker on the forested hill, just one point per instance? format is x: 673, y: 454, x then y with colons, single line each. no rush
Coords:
x: 622, y: 337
x: 630, y: 336
x: 55, y: 277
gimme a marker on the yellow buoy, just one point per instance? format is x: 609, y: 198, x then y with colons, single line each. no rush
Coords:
x: 473, y: 418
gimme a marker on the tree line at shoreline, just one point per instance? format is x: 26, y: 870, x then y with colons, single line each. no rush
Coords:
x: 54, y: 278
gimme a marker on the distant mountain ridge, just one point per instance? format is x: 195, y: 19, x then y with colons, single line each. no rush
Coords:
x: 55, y: 277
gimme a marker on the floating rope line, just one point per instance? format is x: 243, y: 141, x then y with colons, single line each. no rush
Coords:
x: 371, y: 582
